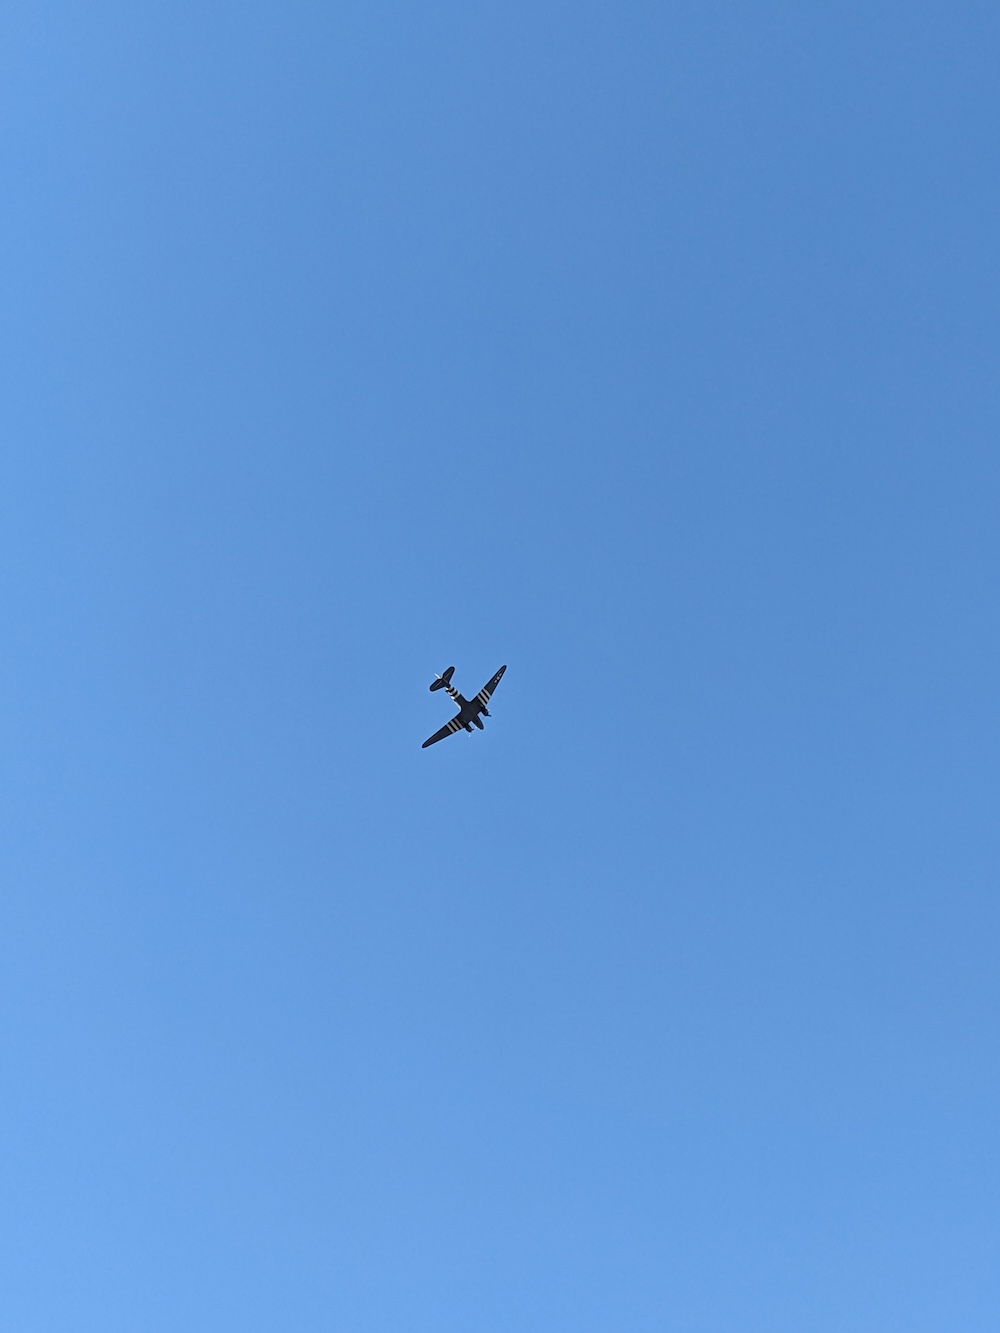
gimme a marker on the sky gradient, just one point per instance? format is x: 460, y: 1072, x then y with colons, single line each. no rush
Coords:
x: 652, y: 350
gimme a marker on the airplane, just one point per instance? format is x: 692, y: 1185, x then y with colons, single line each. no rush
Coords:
x: 468, y: 709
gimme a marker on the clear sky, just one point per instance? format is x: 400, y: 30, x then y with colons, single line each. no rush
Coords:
x: 652, y: 350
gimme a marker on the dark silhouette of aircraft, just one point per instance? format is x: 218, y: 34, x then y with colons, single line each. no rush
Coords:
x: 468, y: 709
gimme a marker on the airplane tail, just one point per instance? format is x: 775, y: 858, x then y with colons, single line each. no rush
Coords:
x: 443, y: 681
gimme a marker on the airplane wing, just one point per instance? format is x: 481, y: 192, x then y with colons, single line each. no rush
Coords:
x: 448, y: 729
x: 483, y: 696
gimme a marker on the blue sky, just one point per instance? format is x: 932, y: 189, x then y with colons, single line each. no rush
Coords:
x: 650, y: 349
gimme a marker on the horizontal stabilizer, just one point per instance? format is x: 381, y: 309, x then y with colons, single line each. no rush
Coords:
x: 443, y: 680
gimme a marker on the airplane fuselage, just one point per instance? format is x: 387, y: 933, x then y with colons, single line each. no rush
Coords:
x: 469, y: 710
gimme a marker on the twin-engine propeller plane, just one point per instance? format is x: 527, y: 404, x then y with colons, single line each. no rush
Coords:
x: 468, y: 709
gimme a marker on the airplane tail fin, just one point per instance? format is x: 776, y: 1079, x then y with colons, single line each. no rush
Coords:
x: 443, y: 681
